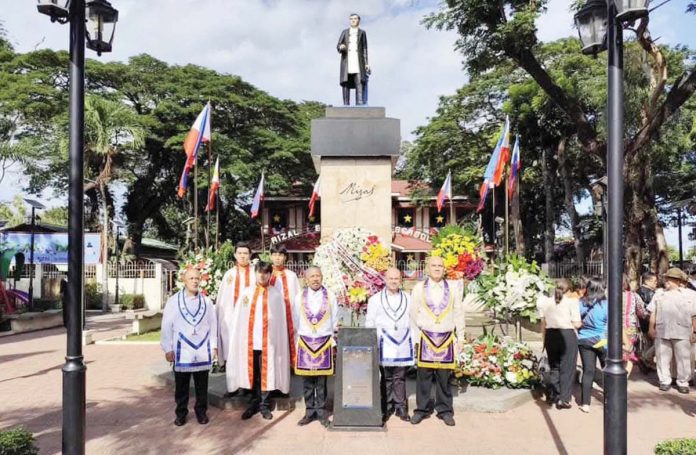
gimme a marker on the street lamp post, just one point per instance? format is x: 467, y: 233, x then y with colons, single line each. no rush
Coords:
x: 591, y: 20
x: 117, y: 226
x: 34, y: 205
x: 96, y: 19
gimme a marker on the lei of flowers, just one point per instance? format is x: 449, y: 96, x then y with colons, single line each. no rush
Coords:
x: 353, y: 263
x: 512, y: 288
x: 493, y: 362
x: 461, y: 251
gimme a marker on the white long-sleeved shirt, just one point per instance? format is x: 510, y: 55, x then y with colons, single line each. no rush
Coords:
x: 189, y: 329
x: 314, y: 302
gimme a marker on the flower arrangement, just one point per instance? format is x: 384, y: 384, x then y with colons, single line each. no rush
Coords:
x: 460, y: 250
x: 353, y: 263
x: 211, y: 264
x: 512, y: 288
x: 493, y: 362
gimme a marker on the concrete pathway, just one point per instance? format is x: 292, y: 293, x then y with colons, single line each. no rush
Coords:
x: 127, y: 412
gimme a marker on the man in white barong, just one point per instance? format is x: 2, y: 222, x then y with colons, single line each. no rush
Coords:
x: 233, y: 283
x: 315, y: 315
x: 438, y: 313
x: 286, y: 282
x: 388, y: 312
x: 259, y: 357
x: 189, y: 341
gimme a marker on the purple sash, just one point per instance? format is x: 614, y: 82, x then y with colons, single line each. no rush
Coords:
x: 436, y: 350
x: 314, y: 356
x: 313, y: 318
x: 437, y: 308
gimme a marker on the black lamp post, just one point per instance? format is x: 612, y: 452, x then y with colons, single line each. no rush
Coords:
x: 591, y: 21
x: 99, y: 18
x: 34, y: 205
x: 117, y: 226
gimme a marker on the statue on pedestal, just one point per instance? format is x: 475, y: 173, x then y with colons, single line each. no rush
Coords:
x: 355, y: 69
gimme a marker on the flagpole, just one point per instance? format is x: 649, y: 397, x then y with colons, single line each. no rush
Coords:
x: 495, y: 237
x: 507, y: 219
x: 195, y: 205
x: 210, y: 183
x: 217, y: 219
x: 261, y: 218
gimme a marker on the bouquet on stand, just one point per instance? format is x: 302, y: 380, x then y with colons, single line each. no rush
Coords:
x: 460, y: 250
x: 512, y: 288
x: 353, y: 262
x: 211, y: 264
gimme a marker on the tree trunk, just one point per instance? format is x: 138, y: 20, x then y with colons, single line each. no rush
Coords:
x: 105, y: 248
x: 550, y: 232
x: 570, y: 203
x: 520, y: 247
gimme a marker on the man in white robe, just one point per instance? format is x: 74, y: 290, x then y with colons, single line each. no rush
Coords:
x: 189, y: 340
x: 315, y: 316
x: 286, y: 282
x: 259, y: 357
x: 388, y: 312
x: 235, y: 280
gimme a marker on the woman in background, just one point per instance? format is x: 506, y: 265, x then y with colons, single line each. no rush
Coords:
x: 592, y: 336
x: 560, y: 316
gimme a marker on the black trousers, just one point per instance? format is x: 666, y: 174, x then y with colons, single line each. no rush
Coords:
x: 353, y: 81
x: 393, y: 387
x: 182, y: 381
x: 589, y: 357
x: 562, y: 349
x: 443, y: 394
x: 315, y: 395
x: 259, y: 398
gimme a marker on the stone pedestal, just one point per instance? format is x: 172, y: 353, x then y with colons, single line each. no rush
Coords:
x: 354, y: 150
x: 357, y: 403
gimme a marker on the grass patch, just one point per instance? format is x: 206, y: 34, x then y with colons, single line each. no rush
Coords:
x: 147, y: 336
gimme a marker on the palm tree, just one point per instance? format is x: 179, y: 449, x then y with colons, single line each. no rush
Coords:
x: 111, y: 128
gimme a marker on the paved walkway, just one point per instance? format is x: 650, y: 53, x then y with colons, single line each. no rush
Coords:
x: 128, y: 413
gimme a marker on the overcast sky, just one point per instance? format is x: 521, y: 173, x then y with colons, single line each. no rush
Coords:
x: 287, y: 47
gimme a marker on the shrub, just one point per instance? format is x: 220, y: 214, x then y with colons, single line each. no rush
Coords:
x: 683, y: 446
x: 17, y: 441
x: 132, y: 301
x: 93, y: 296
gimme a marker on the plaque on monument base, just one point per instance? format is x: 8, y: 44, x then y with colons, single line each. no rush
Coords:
x: 356, y: 386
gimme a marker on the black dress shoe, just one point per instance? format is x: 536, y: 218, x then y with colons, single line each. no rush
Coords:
x: 418, y: 418
x: 203, y: 419
x: 683, y: 389
x: 403, y: 415
x: 306, y: 420
x: 249, y: 413
x: 447, y: 418
x: 563, y: 405
x: 665, y: 387
x: 266, y: 414
x: 180, y: 421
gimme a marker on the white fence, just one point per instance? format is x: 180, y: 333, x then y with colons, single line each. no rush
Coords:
x: 570, y: 269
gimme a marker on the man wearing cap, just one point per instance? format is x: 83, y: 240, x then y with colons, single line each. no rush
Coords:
x: 671, y: 325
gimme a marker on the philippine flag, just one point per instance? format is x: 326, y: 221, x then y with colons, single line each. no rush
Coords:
x: 504, y: 153
x: 315, y: 195
x: 445, y: 192
x: 258, y: 197
x: 214, y: 185
x: 200, y: 133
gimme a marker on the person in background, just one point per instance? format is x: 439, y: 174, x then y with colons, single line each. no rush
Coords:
x: 560, y: 317
x: 633, y: 309
x: 672, y: 327
x: 592, y: 336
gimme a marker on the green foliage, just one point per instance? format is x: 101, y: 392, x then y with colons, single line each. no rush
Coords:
x: 132, y: 301
x: 14, y: 212
x: 56, y: 215
x: 453, y: 229
x: 17, y: 441
x: 684, y: 446
x: 93, y: 295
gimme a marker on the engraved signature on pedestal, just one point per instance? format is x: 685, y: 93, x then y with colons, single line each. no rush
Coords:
x: 355, y: 192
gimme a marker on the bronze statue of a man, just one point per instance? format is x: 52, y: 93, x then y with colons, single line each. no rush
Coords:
x: 355, y: 69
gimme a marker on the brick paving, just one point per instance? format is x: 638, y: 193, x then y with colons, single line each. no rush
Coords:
x: 127, y: 412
